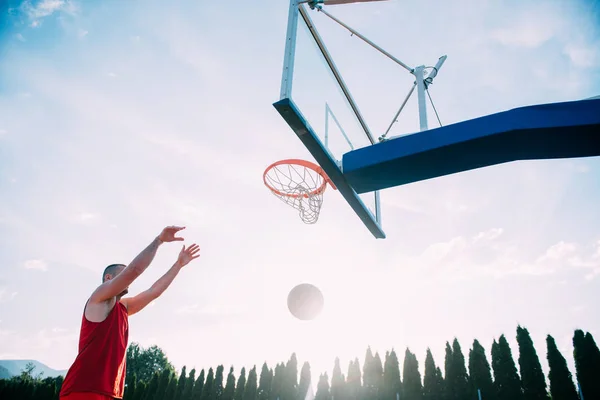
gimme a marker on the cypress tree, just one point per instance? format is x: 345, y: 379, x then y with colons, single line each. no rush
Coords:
x: 432, y: 387
x: 561, y: 380
x: 171, y: 388
x: 152, y: 387
x: 585, y: 353
x: 533, y: 380
x: 277, y: 382
x: 353, y: 387
x: 140, y: 390
x: 480, y: 373
x: 392, y: 384
x: 506, y: 378
x: 129, y: 388
x: 217, y: 391
x: 265, y: 382
x: 377, y: 378
x: 412, y: 387
x: 323, y: 388
x: 449, y: 381
x: 594, y: 354
x: 289, y: 387
x: 198, y: 386
x: 368, y: 371
x: 251, y: 388
x: 460, y: 376
x: 440, y: 383
x: 163, y: 382
x: 207, y: 389
x: 181, y: 384
x: 241, y: 385
x: 229, y: 390
x: 189, y: 385
x: 337, y: 381
x: 304, y: 384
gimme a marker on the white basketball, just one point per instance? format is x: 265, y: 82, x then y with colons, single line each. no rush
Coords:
x: 305, y: 301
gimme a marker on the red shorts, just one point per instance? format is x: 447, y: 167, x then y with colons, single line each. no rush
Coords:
x: 86, y: 396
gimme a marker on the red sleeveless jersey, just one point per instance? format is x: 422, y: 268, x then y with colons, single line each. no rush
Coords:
x: 100, y: 363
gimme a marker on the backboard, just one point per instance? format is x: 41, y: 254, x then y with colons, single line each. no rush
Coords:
x: 320, y: 109
x: 318, y: 106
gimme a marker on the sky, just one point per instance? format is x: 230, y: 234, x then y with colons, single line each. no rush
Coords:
x: 120, y: 118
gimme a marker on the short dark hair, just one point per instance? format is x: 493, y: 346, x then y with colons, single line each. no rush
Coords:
x: 111, y: 269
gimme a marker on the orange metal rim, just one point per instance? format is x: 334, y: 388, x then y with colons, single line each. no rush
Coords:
x: 302, y: 163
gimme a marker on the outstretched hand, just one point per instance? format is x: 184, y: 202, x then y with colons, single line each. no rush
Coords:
x: 168, y: 234
x: 187, y: 255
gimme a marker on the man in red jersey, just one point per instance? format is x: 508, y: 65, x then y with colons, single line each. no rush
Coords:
x: 98, y: 372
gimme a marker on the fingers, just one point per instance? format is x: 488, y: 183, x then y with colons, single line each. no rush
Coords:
x: 193, y: 251
x: 173, y: 229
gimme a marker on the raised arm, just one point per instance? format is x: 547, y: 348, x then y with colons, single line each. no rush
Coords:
x: 121, y: 281
x: 137, y: 303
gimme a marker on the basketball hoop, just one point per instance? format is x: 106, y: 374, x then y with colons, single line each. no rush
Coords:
x: 299, y: 184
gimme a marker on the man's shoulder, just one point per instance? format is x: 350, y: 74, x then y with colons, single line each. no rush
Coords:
x: 123, y: 304
x: 97, y: 312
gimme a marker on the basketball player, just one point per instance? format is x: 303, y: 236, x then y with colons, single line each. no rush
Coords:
x: 98, y: 372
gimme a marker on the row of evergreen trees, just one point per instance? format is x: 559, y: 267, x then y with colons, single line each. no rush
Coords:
x: 503, y: 379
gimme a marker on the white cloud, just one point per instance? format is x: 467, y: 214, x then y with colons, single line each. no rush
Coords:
x: 43, y: 8
x: 557, y: 252
x: 38, y: 265
x: 561, y: 257
x: 3, y: 132
x: 529, y: 28
x: 582, y: 56
x: 86, y: 217
x: 527, y: 35
x: 484, y: 254
x: 6, y: 295
x: 488, y: 235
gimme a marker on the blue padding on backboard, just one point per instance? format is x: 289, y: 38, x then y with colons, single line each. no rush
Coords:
x: 305, y: 133
x: 547, y: 131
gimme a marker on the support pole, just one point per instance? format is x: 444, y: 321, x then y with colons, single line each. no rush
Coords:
x: 435, y: 71
x: 412, y: 89
x: 419, y: 72
x: 290, y: 51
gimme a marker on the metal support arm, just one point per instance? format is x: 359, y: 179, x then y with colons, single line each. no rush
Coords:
x: 409, y: 69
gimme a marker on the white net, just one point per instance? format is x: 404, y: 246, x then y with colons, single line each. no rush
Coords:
x: 298, y: 186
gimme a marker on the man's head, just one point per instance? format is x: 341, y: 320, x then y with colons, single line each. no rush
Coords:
x: 111, y: 272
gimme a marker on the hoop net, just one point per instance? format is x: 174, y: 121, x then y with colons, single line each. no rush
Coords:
x: 300, y: 184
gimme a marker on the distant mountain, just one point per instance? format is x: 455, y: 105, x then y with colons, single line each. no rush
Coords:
x: 14, y: 367
x: 4, y: 374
